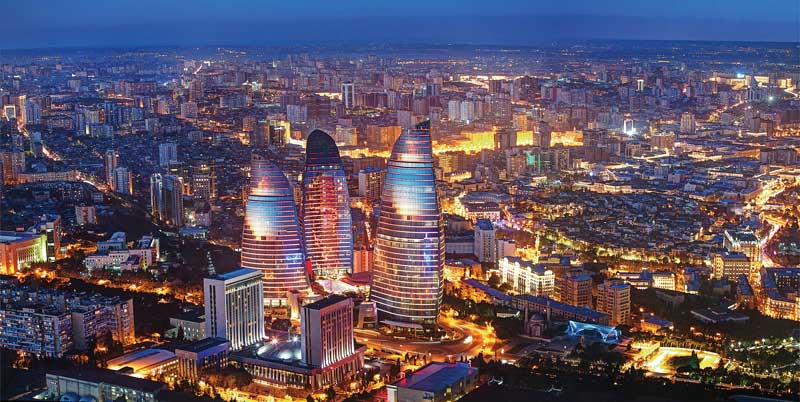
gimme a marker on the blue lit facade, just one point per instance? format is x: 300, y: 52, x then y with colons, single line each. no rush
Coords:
x: 409, y: 245
x: 271, y: 239
x: 327, y: 224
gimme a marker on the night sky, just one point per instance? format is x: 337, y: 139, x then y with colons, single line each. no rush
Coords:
x: 57, y: 23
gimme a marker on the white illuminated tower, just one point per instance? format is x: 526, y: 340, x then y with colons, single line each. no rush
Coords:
x: 271, y: 241
x: 409, y: 246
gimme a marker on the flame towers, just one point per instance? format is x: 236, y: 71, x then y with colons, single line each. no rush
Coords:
x: 409, y: 245
x: 271, y: 236
x: 327, y: 224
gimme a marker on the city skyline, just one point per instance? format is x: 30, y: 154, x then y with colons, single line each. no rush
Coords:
x: 360, y: 201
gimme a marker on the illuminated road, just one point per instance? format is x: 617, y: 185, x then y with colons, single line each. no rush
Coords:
x: 658, y: 363
x: 477, y: 339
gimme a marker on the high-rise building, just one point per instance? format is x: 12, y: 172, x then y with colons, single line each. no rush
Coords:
x: 576, y: 290
x: 326, y: 329
x: 348, y: 95
x: 271, y: 239
x: 370, y: 183
x: 122, y: 181
x: 614, y: 299
x: 688, y: 125
x: 112, y: 161
x: 327, y: 224
x: 167, y: 153
x: 409, y: 245
x: 166, y: 200
x: 485, y: 241
x: 234, y: 306
x: 13, y: 165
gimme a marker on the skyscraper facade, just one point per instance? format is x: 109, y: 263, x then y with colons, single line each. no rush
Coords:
x: 111, y: 161
x: 327, y: 224
x: 271, y: 241
x: 166, y: 199
x: 409, y: 247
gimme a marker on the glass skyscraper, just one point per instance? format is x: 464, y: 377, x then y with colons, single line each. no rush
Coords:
x: 327, y: 224
x: 271, y: 239
x: 409, y: 246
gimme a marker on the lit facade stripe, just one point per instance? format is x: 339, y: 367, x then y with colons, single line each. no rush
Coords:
x: 271, y: 236
x: 409, y: 245
x: 327, y: 224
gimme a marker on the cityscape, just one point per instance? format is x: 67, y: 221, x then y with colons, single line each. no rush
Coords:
x: 609, y: 216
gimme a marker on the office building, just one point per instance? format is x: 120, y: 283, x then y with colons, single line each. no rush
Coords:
x: 50, y: 226
x: 526, y: 277
x: 167, y: 153
x: 111, y: 162
x: 326, y: 331
x: 271, y: 239
x: 200, y: 356
x: 729, y: 265
x: 234, y: 307
x: 19, y: 250
x: 327, y: 224
x: 325, y: 354
x: 614, y: 299
x: 409, y: 245
x: 166, y: 199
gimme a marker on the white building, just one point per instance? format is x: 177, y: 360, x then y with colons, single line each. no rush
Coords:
x: 327, y: 331
x: 526, y: 277
x: 234, y: 306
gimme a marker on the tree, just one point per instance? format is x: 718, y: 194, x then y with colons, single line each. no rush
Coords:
x: 494, y: 281
x: 330, y: 393
x: 181, y: 336
x: 309, y: 398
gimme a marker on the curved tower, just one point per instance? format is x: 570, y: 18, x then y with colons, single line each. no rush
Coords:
x: 271, y: 236
x: 327, y: 224
x: 409, y: 242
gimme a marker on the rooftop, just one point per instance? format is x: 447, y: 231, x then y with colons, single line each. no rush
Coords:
x: 326, y: 302
x: 436, y: 376
x: 234, y: 274
x: 99, y: 375
x: 204, y: 344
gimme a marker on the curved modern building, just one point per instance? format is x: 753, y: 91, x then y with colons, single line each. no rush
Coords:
x: 327, y: 224
x: 409, y: 244
x: 271, y: 239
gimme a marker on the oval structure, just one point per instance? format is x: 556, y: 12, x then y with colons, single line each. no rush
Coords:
x: 327, y: 223
x: 409, y: 244
x: 271, y: 239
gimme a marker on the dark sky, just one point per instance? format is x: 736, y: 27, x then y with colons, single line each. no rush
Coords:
x: 56, y: 23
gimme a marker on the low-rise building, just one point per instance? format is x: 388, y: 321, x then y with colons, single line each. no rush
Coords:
x: 101, y: 385
x: 435, y: 382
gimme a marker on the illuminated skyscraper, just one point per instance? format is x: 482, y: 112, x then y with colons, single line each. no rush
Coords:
x: 409, y: 247
x: 327, y: 224
x: 112, y: 161
x: 271, y: 236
